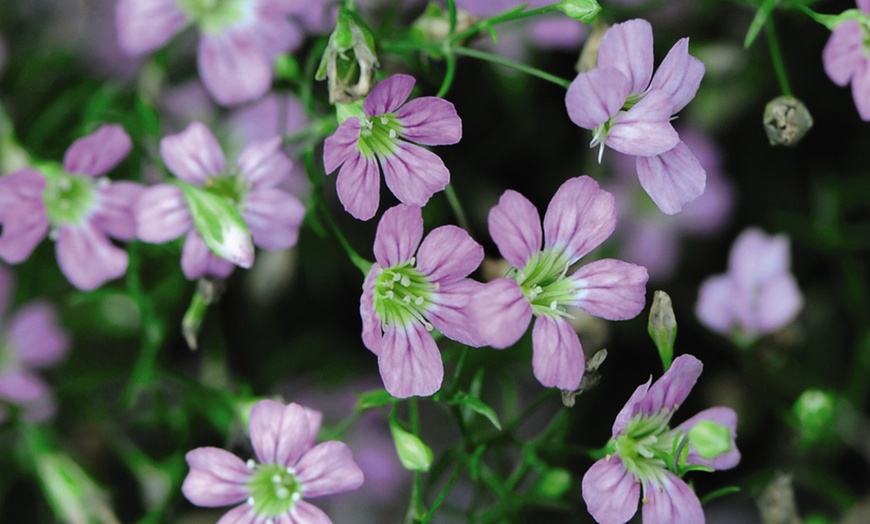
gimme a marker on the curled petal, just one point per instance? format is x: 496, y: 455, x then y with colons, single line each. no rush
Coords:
x: 193, y: 155
x: 431, y: 121
x: 672, y: 178
x: 679, y: 75
x: 161, y: 214
x: 388, y: 95
x: 611, y: 492
x: 672, y: 501
x: 87, y: 258
x: 628, y: 47
x: 36, y: 336
x: 579, y: 218
x: 398, y: 235
x: 611, y: 289
x: 198, y: 261
x: 595, y: 96
x: 233, y: 67
x: 409, y: 361
x: 557, y: 357
x: 145, y: 25
x: 98, y: 152
x: 264, y: 164
x: 341, y: 145
x: 414, y: 174
x: 273, y: 217
x: 501, y: 312
x: 358, y: 186
x: 328, y: 468
x: 515, y: 227
x: 724, y: 417
x: 448, y: 253
x: 280, y: 433
x: 216, y: 478
x: 672, y: 388
x: 115, y: 214
x: 645, y: 129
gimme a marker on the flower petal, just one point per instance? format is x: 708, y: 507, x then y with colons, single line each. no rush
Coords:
x: 114, y: 214
x: 341, y: 145
x: 305, y: 513
x: 448, y: 253
x: 7, y: 289
x: 264, y: 164
x: 579, y: 218
x: 431, y: 121
x: 861, y: 90
x: 233, y: 67
x: 672, y: 178
x: 398, y: 235
x: 595, y: 96
x: 724, y: 417
x: 193, y: 155
x: 388, y: 95
x: 645, y: 129
x: 22, y: 214
x: 409, y: 361
x: 35, y: 335
x: 273, y: 217
x: 97, y: 153
x: 358, y: 186
x: 241, y: 514
x: 628, y: 47
x: 515, y: 227
x: 679, y: 75
x: 198, y: 261
x: 372, y: 335
x: 414, y: 174
x: 716, y: 303
x: 779, y: 302
x: 216, y: 478
x: 161, y: 214
x: 145, y: 25
x: 22, y: 387
x: 673, y: 502
x: 611, y: 492
x: 280, y: 434
x: 87, y: 258
x: 451, y: 314
x: 843, y: 53
x: 672, y: 388
x: 557, y: 357
x: 757, y: 257
x: 328, y: 468
x: 501, y: 312
x: 611, y: 289
x: 629, y: 410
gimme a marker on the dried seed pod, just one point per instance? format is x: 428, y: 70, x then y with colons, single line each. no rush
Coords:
x: 786, y: 121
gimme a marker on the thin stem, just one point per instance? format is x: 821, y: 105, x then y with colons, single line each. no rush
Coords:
x: 445, y: 491
x: 456, y: 206
x: 448, y: 75
x: 515, y: 13
x: 361, y: 263
x: 519, y: 66
x: 776, y: 57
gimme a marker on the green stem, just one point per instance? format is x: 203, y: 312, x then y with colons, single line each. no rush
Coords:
x: 776, y: 57
x: 445, y: 491
x: 456, y: 206
x: 450, y: 58
x: 519, y: 66
x: 361, y: 263
x: 516, y: 13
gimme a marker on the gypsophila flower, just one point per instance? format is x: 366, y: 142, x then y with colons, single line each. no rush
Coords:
x: 387, y: 133
x: 579, y: 218
x: 272, y: 215
x: 405, y: 296
x: 646, y: 457
x: 289, y: 470
x: 30, y: 339
x: 846, y: 58
x: 629, y: 109
x: 76, y: 206
x: 758, y: 295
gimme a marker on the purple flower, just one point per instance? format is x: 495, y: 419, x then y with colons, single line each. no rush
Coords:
x: 272, y: 216
x: 645, y: 454
x: 80, y: 207
x: 239, y: 39
x: 846, y: 58
x: 406, y: 296
x: 30, y: 339
x: 758, y: 295
x: 579, y: 218
x: 384, y: 134
x: 629, y: 109
x: 289, y: 469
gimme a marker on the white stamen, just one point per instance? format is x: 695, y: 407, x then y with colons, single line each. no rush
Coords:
x: 418, y: 301
x: 396, y: 277
x: 393, y: 133
x: 291, y: 470
x: 251, y: 464
x: 276, y: 478
x: 428, y: 326
x: 296, y: 496
x: 384, y: 120
x: 553, y: 305
x: 406, y: 300
x: 282, y: 492
x: 406, y: 281
x: 250, y: 501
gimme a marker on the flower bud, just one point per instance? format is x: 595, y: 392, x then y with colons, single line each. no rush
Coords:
x: 349, y: 60
x: 662, y: 327
x: 553, y: 483
x: 220, y: 225
x: 815, y: 412
x: 585, y: 11
x: 72, y: 493
x: 710, y: 439
x: 413, y: 452
x: 786, y: 121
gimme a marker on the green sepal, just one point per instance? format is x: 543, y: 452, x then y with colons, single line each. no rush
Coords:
x: 374, y: 399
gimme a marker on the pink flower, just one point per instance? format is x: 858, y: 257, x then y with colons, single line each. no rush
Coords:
x: 239, y: 39
x: 384, y: 134
x: 30, y: 339
x: 289, y: 469
x: 579, y: 218
x: 272, y: 216
x: 641, y: 460
x: 758, y: 295
x: 81, y: 208
x: 406, y: 296
x: 846, y: 58
x: 629, y: 109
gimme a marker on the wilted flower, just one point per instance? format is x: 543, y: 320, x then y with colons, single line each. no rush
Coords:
x: 289, y: 469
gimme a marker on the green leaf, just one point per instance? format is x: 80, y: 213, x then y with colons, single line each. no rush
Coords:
x: 718, y: 493
x: 373, y: 399
x: 218, y: 222
x: 476, y: 405
x: 758, y: 22
x: 414, y: 454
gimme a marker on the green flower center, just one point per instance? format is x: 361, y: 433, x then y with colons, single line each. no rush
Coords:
x: 68, y: 197
x: 214, y: 16
x: 378, y: 135
x: 231, y: 186
x: 403, y: 295
x: 273, y: 490
x: 544, y: 283
x: 644, y: 445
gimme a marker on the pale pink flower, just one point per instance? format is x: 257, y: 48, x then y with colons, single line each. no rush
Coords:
x: 846, y: 58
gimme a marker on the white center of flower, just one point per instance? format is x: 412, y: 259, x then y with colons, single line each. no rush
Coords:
x: 273, y: 490
x: 544, y: 283
x: 403, y: 295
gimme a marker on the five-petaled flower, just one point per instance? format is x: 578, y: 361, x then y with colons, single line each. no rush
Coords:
x: 384, y: 134
x: 270, y: 215
x: 289, y: 470
x: 632, y: 114
x: 645, y: 452
x: 846, y: 58
x: 76, y: 206
x: 758, y: 295
x: 406, y: 296
x: 579, y: 218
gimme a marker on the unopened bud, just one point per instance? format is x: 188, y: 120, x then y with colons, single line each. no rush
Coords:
x: 815, y: 412
x: 553, y: 483
x: 585, y: 11
x: 662, y: 327
x: 710, y: 439
x: 349, y: 60
x: 220, y: 225
x: 786, y: 121
x: 433, y: 26
x: 414, y: 454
